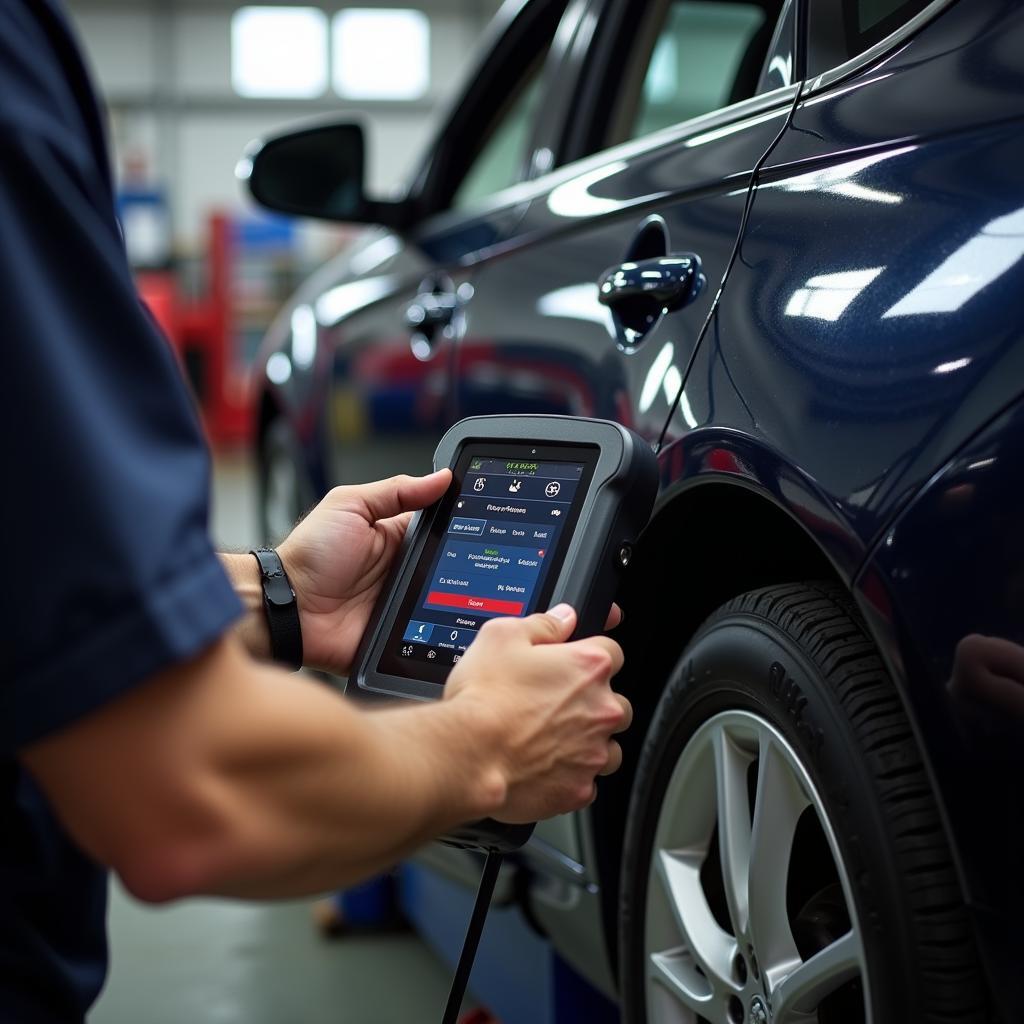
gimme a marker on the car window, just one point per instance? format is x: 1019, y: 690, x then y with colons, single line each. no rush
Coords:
x: 691, y: 57
x: 838, y: 30
x: 780, y: 64
x: 502, y: 158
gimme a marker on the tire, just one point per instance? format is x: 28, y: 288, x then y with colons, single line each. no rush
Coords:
x: 283, y: 495
x: 781, y: 722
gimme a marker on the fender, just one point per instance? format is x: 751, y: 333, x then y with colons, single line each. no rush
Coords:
x: 944, y: 595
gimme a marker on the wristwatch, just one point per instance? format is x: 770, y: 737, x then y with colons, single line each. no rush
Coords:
x: 282, y: 609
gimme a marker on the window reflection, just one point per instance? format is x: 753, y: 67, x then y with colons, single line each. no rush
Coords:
x: 337, y: 303
x: 826, y: 296
x: 574, y: 199
x: 959, y: 277
x: 663, y: 375
x: 839, y: 180
x: 577, y: 302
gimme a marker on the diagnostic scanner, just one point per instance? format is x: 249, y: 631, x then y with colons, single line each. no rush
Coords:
x: 541, y: 510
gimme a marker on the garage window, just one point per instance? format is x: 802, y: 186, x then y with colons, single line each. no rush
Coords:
x: 381, y: 54
x: 279, y: 52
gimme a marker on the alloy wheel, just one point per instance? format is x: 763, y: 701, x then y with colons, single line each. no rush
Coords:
x: 749, y: 916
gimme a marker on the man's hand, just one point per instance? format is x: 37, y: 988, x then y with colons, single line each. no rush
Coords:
x: 339, y: 555
x: 547, y: 707
x: 216, y: 776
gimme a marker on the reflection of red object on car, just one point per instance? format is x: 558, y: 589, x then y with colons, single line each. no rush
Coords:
x: 478, y: 1016
x: 724, y: 461
x: 543, y: 372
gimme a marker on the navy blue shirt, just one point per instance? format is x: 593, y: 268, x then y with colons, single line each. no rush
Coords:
x: 106, y: 571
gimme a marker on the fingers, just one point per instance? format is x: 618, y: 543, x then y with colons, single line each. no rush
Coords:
x: 609, y: 647
x: 627, y: 713
x: 550, y: 627
x: 614, y: 762
x: 614, y: 617
x: 386, y: 498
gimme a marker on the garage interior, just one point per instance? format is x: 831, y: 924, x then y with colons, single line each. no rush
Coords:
x: 774, y: 247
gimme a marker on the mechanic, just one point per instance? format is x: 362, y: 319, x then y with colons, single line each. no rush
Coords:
x: 138, y: 729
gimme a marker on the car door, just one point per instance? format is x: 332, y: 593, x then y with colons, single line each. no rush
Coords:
x: 389, y: 312
x: 673, y: 104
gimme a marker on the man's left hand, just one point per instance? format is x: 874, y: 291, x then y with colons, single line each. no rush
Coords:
x: 338, y: 557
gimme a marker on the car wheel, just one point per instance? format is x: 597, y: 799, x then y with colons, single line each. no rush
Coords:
x: 282, y: 496
x: 784, y: 857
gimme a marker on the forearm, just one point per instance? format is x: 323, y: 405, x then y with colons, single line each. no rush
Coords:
x: 251, y: 629
x: 228, y: 777
x: 342, y: 794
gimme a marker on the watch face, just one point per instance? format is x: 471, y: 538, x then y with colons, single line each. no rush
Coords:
x: 494, y: 548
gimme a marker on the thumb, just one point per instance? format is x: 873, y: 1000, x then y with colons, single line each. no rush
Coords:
x: 552, y: 626
x: 386, y: 498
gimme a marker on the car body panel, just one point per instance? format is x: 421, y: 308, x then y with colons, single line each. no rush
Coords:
x: 870, y: 363
x: 944, y: 592
x: 538, y: 305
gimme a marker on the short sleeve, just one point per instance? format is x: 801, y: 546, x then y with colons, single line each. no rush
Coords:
x: 108, y: 574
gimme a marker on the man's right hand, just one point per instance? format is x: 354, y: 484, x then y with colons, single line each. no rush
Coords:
x: 224, y: 776
x: 548, y: 708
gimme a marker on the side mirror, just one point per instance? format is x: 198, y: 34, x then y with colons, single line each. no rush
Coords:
x: 314, y: 172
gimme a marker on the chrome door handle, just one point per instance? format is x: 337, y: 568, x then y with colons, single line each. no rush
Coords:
x: 429, y: 311
x: 668, y: 281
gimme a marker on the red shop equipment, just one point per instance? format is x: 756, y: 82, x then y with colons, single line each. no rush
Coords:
x: 247, y: 272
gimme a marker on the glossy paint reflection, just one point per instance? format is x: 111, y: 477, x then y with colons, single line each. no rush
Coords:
x: 540, y: 341
x: 953, y: 569
x: 896, y: 341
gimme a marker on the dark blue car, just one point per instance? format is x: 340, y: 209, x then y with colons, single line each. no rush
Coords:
x: 783, y: 241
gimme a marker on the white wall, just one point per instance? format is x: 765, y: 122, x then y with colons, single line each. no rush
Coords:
x: 164, y: 69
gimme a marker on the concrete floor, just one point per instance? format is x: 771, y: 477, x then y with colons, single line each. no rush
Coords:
x: 218, y: 962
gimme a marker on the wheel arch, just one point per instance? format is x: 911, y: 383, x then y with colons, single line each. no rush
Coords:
x: 731, y: 518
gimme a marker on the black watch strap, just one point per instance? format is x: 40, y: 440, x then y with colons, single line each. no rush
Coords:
x: 282, y: 609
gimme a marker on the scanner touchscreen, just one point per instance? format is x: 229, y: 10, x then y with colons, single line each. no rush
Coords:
x: 496, y: 545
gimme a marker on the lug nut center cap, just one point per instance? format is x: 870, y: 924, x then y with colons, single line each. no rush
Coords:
x: 758, y: 1011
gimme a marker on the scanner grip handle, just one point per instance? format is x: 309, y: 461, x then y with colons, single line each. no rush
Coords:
x: 489, y: 835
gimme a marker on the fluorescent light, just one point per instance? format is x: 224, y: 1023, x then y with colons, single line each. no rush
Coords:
x: 303, y: 336
x: 279, y: 52
x: 279, y: 368
x: 381, y: 54
x: 953, y: 365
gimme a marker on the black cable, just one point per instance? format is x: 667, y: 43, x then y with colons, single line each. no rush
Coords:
x: 744, y: 217
x: 476, y: 926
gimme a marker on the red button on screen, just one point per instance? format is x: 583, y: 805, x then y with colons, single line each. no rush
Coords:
x: 477, y: 604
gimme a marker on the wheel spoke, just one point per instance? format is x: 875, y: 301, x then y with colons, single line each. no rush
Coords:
x: 676, y: 972
x: 799, y: 993
x: 778, y: 804
x: 733, y: 827
x: 711, y: 947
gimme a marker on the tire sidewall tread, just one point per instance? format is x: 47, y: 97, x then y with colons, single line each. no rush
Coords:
x: 799, y: 656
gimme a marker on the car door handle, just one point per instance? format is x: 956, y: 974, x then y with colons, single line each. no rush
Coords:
x: 429, y: 311
x: 669, y: 281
